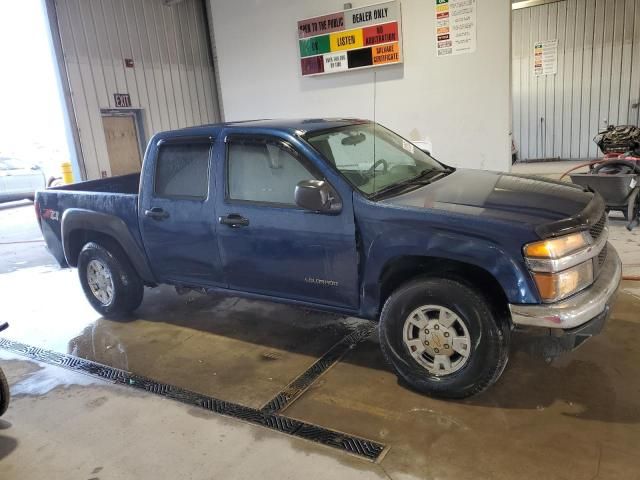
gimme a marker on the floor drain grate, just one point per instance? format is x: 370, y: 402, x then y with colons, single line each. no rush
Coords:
x: 296, y: 388
x: 358, y: 446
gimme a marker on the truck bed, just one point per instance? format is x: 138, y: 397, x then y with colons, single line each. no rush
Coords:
x: 127, y: 184
x: 113, y: 196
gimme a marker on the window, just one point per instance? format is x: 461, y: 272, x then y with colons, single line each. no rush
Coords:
x: 11, y: 164
x: 264, y: 172
x: 182, y: 170
x: 372, y: 157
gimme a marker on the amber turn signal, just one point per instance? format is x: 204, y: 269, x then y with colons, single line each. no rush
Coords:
x: 556, y: 286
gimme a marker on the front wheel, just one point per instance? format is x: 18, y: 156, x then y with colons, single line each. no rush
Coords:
x: 110, y: 283
x: 443, y: 338
x: 4, y: 393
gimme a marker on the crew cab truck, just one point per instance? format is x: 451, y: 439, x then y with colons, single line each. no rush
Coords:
x: 345, y: 216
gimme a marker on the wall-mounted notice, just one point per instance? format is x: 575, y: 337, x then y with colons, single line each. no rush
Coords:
x: 545, y: 57
x: 355, y: 38
x: 455, y: 27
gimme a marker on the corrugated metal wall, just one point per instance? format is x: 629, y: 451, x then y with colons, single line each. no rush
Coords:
x: 172, y: 81
x: 598, y: 78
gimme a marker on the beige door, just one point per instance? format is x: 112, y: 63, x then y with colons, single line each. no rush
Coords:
x: 122, y: 144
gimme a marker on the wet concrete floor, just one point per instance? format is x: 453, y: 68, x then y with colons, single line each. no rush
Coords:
x: 576, y: 418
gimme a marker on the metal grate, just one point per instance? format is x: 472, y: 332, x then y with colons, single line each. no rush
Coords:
x: 347, y: 443
x: 296, y: 388
x: 598, y: 227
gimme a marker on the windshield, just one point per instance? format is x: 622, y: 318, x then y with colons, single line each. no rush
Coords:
x: 372, y: 157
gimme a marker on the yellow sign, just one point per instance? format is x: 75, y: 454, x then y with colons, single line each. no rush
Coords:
x: 345, y: 40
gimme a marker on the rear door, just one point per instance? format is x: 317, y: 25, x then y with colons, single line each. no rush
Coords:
x: 268, y: 244
x: 177, y: 213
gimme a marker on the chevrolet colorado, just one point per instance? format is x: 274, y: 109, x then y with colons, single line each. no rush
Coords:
x: 346, y: 216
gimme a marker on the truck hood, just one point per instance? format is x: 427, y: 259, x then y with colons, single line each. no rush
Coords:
x: 501, y: 196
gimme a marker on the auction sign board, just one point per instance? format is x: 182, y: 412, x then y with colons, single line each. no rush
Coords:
x: 351, y: 39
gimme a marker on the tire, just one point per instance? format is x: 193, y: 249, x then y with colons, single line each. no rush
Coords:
x: 4, y: 393
x: 55, y: 182
x: 487, y: 338
x: 126, y: 290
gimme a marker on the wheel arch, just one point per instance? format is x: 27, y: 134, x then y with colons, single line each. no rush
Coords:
x: 402, y: 269
x: 80, y: 227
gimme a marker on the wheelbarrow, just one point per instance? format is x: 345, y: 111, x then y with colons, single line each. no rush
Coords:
x: 616, y: 179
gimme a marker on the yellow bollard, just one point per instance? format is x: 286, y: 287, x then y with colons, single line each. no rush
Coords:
x: 67, y: 172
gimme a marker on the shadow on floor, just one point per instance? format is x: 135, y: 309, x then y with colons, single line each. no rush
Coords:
x: 595, y: 383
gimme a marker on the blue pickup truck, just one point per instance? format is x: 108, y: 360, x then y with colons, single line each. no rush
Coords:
x: 344, y: 215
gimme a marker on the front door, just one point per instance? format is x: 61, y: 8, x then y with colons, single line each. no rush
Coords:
x: 123, y: 147
x: 270, y: 246
x: 178, y: 217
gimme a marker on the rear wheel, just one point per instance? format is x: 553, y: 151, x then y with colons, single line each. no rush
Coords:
x: 443, y: 338
x: 109, y: 281
x: 4, y: 393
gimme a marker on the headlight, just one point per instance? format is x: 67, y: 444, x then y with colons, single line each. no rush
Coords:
x: 555, y: 248
x: 556, y: 286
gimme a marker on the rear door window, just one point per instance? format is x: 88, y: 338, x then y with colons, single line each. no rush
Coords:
x: 182, y: 171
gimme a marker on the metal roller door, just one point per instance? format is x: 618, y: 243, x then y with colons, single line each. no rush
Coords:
x: 597, y: 81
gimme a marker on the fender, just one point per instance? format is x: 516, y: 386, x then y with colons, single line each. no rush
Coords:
x: 81, y: 219
x: 483, y: 253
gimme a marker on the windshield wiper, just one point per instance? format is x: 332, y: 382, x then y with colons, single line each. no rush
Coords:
x: 417, y: 180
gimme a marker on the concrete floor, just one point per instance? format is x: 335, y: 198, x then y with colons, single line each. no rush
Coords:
x: 576, y: 418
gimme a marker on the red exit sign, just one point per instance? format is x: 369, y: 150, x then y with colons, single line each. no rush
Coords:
x: 122, y: 100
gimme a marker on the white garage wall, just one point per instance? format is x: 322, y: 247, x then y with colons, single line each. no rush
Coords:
x: 598, y: 79
x: 461, y: 103
x: 172, y: 82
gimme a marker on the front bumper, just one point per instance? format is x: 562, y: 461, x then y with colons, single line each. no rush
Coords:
x: 579, y: 309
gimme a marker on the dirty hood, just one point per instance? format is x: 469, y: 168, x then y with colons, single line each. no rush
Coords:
x: 507, y: 197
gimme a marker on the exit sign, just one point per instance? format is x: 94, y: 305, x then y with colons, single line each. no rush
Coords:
x: 122, y: 100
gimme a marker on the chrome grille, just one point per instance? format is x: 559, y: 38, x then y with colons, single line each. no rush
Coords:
x: 598, y: 227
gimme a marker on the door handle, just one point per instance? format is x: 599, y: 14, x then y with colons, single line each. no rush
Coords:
x: 156, y: 213
x: 234, y: 221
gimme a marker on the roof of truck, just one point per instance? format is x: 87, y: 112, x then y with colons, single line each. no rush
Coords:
x: 299, y: 125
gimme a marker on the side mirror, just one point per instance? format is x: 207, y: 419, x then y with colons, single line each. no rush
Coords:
x: 318, y: 196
